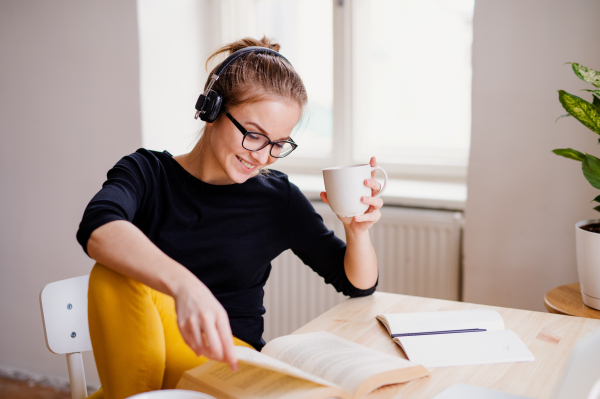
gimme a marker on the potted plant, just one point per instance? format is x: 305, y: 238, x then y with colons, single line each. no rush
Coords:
x: 587, y: 232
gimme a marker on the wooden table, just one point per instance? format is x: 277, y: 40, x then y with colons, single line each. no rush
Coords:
x: 567, y: 300
x: 550, y: 337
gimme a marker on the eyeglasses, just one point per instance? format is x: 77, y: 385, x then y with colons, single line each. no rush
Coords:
x: 254, y: 141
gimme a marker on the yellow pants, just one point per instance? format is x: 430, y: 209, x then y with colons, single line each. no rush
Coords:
x: 136, y: 340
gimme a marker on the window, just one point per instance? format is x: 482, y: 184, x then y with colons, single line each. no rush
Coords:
x: 390, y: 78
x: 411, y: 84
x: 304, y: 29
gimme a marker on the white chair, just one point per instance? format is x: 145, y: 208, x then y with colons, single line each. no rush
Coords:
x: 64, y: 307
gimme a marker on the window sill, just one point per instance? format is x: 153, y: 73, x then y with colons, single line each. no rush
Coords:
x: 409, y: 193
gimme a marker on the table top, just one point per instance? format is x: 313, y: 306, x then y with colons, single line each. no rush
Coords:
x: 550, y: 337
x: 567, y: 300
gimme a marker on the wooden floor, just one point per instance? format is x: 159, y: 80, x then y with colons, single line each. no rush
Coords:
x: 15, y: 389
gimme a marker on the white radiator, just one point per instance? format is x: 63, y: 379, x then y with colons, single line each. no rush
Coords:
x: 418, y: 253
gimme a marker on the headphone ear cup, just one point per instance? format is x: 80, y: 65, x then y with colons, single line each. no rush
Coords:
x: 214, y: 106
x: 211, y: 104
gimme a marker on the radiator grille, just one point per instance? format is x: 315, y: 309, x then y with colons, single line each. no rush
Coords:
x: 418, y: 253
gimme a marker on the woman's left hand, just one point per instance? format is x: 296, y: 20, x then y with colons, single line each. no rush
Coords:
x: 362, y: 223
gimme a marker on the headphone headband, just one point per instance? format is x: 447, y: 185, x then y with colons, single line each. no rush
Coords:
x: 240, y: 53
x: 209, y: 103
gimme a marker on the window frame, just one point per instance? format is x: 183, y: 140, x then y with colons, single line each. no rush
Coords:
x: 345, y: 16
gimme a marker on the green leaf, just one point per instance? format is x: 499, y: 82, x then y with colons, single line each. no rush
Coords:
x: 562, y: 116
x: 583, y: 111
x: 596, y: 101
x: 597, y: 208
x: 597, y: 199
x: 591, y: 170
x: 569, y: 153
x: 597, y: 92
x: 587, y: 74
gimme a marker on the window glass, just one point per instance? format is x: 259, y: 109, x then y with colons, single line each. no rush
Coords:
x: 304, y: 29
x: 412, y: 80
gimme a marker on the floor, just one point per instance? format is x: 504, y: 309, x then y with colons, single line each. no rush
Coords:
x: 15, y: 389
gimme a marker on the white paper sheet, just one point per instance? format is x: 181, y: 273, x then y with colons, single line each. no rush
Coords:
x: 465, y: 348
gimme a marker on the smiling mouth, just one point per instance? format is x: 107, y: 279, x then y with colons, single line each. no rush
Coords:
x: 246, y: 164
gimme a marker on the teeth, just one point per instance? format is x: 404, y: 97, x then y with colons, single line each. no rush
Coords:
x: 246, y: 164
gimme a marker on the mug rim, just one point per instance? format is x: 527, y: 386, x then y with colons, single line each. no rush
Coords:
x: 346, y: 166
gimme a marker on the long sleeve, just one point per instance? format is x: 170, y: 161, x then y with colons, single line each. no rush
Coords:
x: 120, y: 197
x: 317, y: 246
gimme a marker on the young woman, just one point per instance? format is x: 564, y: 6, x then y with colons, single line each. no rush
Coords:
x: 184, y: 244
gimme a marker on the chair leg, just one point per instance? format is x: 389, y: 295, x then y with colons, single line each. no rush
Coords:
x: 76, y: 375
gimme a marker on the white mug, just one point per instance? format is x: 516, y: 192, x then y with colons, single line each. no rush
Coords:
x: 345, y: 186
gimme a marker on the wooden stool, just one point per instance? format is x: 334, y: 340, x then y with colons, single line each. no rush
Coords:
x: 566, y: 299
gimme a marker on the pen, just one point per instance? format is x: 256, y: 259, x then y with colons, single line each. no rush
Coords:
x: 439, y: 332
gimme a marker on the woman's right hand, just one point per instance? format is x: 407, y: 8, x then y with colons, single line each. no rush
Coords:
x: 203, y: 322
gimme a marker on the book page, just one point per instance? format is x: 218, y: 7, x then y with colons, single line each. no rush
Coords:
x: 332, y: 358
x: 252, y: 382
x: 465, y: 349
x: 423, y: 322
x: 251, y: 356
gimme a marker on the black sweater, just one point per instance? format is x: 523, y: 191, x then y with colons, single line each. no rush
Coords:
x: 227, y: 235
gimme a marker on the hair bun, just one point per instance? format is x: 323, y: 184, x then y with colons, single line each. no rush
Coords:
x: 269, y: 43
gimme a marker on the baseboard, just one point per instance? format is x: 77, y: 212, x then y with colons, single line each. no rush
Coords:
x: 58, y: 383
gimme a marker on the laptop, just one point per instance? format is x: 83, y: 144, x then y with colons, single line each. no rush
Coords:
x: 580, y: 380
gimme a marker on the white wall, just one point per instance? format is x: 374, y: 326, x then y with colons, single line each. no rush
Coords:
x: 523, y: 200
x: 69, y: 109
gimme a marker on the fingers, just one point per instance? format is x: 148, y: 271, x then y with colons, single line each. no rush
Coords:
x: 192, y: 335
x: 373, y: 162
x: 376, y: 203
x: 227, y: 340
x: 207, y: 331
x: 324, y: 197
x: 213, y: 348
x: 373, y: 185
x: 373, y: 216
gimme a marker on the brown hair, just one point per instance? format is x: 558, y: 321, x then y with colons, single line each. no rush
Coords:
x: 255, y: 77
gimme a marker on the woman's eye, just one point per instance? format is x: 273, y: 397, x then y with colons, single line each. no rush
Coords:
x: 279, y: 144
x: 253, y: 137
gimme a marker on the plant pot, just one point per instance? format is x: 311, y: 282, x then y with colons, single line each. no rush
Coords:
x: 588, y: 263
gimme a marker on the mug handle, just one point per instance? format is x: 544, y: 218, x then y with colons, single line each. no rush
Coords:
x: 385, y: 180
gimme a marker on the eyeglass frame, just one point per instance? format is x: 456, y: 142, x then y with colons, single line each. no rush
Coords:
x: 269, y: 142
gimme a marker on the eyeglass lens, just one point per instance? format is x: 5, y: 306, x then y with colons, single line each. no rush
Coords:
x: 256, y: 141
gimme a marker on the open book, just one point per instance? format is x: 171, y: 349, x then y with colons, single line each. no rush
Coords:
x: 455, y: 338
x: 314, y: 365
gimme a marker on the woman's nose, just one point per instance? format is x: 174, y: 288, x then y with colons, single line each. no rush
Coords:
x: 262, y: 156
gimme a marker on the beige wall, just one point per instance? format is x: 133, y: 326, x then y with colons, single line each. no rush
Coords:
x: 69, y: 109
x: 523, y: 200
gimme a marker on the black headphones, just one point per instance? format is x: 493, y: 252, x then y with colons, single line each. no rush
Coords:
x: 209, y: 103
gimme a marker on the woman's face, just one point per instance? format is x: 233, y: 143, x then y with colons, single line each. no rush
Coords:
x: 231, y: 162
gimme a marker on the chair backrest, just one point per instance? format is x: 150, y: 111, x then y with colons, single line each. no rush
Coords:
x: 65, y: 315
x: 65, y: 320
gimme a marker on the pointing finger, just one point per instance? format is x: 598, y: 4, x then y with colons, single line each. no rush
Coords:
x: 227, y: 340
